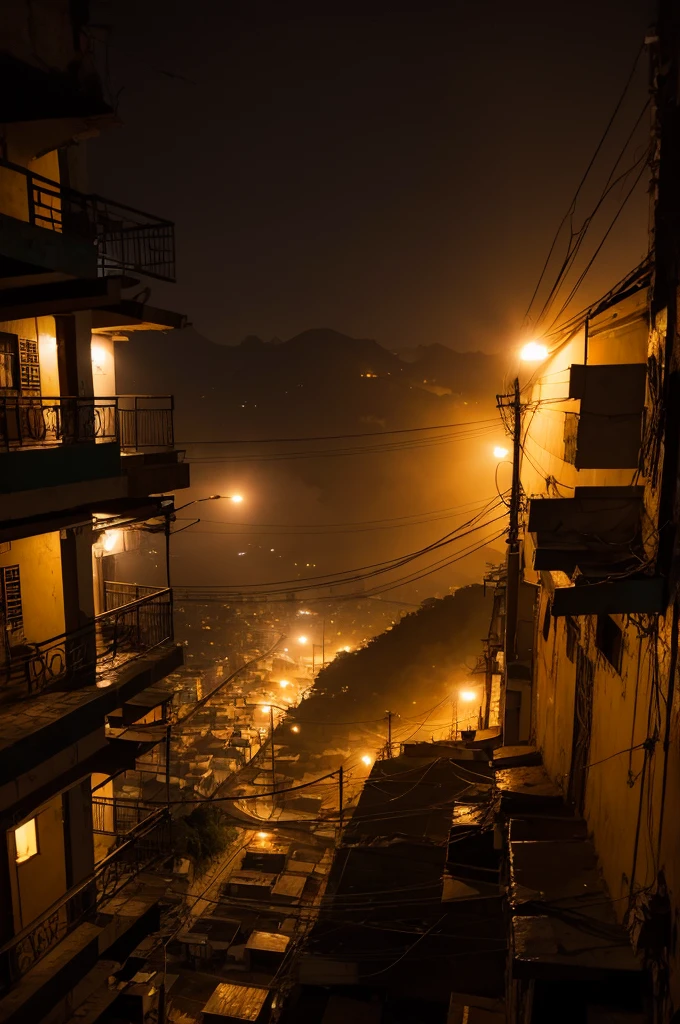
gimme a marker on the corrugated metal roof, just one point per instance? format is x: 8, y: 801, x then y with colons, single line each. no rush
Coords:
x: 244, y: 1002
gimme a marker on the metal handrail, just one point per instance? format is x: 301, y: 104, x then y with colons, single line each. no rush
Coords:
x: 111, y: 639
x: 126, y: 238
x: 29, y: 420
x: 33, y: 942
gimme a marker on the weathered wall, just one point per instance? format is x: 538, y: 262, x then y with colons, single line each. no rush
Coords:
x: 38, y: 882
x: 39, y: 561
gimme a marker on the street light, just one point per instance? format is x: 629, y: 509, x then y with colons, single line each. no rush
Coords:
x: 501, y: 452
x: 302, y: 639
x: 236, y: 498
x: 269, y: 709
x: 533, y: 352
x: 367, y: 759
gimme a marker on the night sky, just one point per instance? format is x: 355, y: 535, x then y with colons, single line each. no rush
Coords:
x: 391, y: 171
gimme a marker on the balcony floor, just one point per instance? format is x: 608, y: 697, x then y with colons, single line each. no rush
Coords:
x: 33, y: 730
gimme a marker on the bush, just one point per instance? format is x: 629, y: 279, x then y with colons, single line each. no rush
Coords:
x: 202, y: 834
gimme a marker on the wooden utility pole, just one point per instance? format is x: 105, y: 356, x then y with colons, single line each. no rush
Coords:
x: 341, y: 781
x: 512, y: 401
x: 389, y: 734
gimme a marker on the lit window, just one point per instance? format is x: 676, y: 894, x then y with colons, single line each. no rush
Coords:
x: 26, y: 841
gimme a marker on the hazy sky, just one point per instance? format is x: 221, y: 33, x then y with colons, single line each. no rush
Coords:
x: 393, y: 171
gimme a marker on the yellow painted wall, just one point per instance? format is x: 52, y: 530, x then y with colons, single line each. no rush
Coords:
x: 42, y: 595
x: 549, y: 383
x: 37, y: 883
x: 43, y: 330
x: 103, y: 366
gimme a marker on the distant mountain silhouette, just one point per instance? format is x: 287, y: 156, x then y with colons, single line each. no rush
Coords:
x: 316, y: 384
x: 319, y: 377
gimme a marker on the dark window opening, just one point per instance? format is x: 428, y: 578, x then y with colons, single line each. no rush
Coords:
x: 609, y: 640
x: 11, y: 610
x: 573, y: 634
x: 546, y: 622
x: 8, y: 362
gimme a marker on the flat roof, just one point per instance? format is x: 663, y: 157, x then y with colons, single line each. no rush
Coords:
x: 289, y: 885
x: 244, y: 1002
x: 272, y: 942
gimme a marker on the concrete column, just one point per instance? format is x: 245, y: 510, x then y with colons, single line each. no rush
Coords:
x: 74, y: 355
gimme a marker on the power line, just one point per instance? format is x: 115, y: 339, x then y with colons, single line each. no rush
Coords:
x: 339, y: 437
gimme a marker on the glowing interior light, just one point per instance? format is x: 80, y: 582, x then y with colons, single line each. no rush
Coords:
x: 110, y: 539
x: 97, y: 354
x: 26, y: 841
x: 367, y: 759
x: 284, y: 683
x: 533, y: 352
x: 263, y: 835
x: 500, y: 452
x: 467, y: 695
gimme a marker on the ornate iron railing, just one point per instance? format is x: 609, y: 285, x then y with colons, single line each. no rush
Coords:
x: 29, y: 421
x: 135, y: 421
x: 126, y: 239
x: 135, y: 852
x: 115, y: 816
x: 146, y: 421
x: 83, y: 655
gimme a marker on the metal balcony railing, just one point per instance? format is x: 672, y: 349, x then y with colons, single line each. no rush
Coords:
x: 115, y: 816
x: 111, y: 640
x: 137, y: 851
x: 126, y: 239
x: 146, y: 421
x: 32, y: 421
x: 135, y: 421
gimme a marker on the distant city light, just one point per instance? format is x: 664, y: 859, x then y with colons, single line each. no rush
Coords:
x: 284, y: 683
x: 303, y: 611
x: 295, y: 728
x: 266, y: 708
x: 302, y: 639
x: 467, y: 695
x: 367, y: 759
x: 500, y: 452
x: 346, y: 649
x: 533, y: 352
x: 263, y: 835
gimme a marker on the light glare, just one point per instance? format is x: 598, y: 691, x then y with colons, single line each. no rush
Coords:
x: 533, y: 352
x: 367, y: 759
x: 302, y: 639
x: 467, y: 695
x: 500, y: 452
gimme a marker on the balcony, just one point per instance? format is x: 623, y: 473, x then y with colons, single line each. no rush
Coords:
x: 49, y: 227
x: 136, y: 422
x: 114, y: 816
x: 140, y: 847
x: 90, y: 654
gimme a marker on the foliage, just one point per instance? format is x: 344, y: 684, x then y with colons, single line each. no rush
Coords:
x: 202, y: 834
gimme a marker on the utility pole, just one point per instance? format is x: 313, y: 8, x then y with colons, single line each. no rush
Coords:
x: 271, y: 740
x: 512, y: 401
x: 323, y: 642
x: 389, y: 734
x: 341, y: 781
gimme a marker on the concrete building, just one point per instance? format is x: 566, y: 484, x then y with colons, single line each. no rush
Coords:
x: 599, y: 471
x: 80, y: 465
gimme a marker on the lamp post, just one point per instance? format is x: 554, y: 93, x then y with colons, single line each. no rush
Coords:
x: 236, y: 498
x: 270, y: 708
